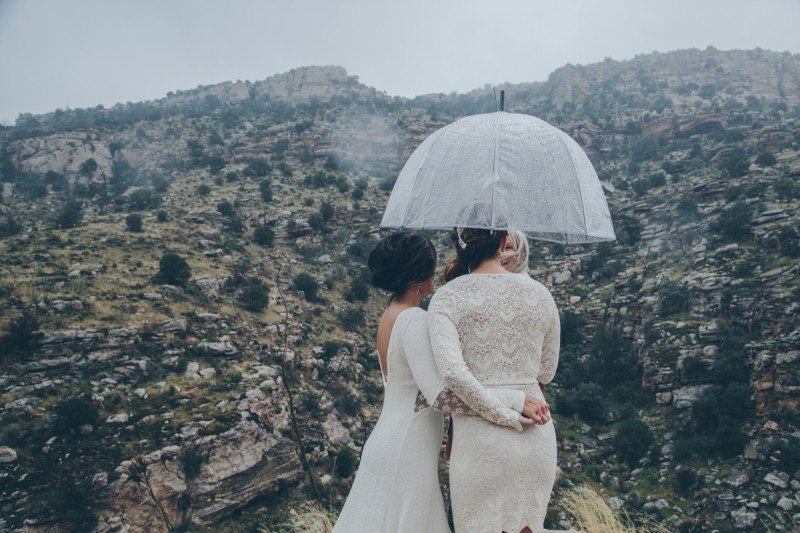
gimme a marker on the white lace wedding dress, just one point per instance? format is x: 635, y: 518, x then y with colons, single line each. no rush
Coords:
x: 396, y: 488
x: 497, y: 330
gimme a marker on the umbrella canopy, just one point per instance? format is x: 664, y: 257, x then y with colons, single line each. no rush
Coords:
x: 501, y: 171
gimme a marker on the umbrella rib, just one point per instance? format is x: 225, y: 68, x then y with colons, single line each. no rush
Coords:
x: 580, y: 189
x: 495, y: 179
x: 416, y: 177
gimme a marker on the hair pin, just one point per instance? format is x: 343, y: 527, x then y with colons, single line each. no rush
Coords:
x: 460, y: 240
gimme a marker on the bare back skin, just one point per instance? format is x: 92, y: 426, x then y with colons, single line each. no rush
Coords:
x: 385, y: 328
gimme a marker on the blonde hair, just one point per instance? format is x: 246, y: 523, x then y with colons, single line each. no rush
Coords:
x: 516, y: 261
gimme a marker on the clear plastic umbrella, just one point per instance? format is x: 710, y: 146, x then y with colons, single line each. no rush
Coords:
x: 501, y: 171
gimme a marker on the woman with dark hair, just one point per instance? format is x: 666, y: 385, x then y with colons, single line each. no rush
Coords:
x: 396, y: 488
x: 493, y: 328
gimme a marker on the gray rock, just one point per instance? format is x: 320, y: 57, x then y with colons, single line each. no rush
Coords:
x: 685, y: 397
x: 743, y: 518
x: 787, y: 357
x: 121, y: 418
x: 7, y: 455
x: 779, y: 479
x: 737, y: 478
x: 786, y: 503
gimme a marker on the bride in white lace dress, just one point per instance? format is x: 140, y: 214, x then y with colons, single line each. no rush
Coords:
x: 396, y: 488
x: 492, y: 328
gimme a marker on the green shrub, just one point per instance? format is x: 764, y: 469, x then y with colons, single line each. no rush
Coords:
x: 352, y: 319
x: 657, y: 179
x: 264, y: 236
x: 734, y: 223
x: 674, y: 298
x: 265, y: 189
x: 330, y: 349
x: 70, y: 215
x: 203, y: 190
x: 257, y: 168
x: 632, y: 440
x: 687, y: 207
x: 789, y: 450
x: 133, y: 222
x: 345, y: 463
x: 629, y: 230
x: 162, y: 216
x: 142, y: 199
x: 789, y: 242
x: 22, y: 336
x: 72, y: 413
x: 587, y: 400
x: 736, y: 163
x: 766, y: 159
x: 254, y: 297
x: 316, y: 222
x: 226, y: 209
x: 571, y: 328
x: 192, y: 462
x: 9, y: 227
x: 358, y: 292
x: 305, y: 283
x: 327, y: 211
x: 173, y: 269
x: 611, y: 359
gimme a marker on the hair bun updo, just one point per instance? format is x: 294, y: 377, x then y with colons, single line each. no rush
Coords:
x: 401, y: 259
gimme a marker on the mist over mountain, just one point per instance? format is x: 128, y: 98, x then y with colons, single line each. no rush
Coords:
x: 187, y: 327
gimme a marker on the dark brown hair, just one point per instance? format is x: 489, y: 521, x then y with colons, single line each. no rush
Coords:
x: 481, y: 244
x: 401, y: 259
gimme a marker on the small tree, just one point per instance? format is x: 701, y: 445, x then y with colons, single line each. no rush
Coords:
x: 162, y: 216
x: 203, y: 190
x: 766, y: 159
x: 265, y: 188
x: 22, y: 336
x: 674, y: 298
x: 305, y: 283
x: 352, y: 319
x: 226, y: 209
x: 327, y: 211
x: 264, y: 236
x: 144, y: 198
x: 632, y: 440
x: 71, y: 214
x: 345, y: 463
x: 734, y: 223
x: 254, y: 297
x: 173, y: 269
x: 359, y: 291
x: 88, y: 167
x: 134, y: 222
x: 316, y: 222
x: 72, y: 413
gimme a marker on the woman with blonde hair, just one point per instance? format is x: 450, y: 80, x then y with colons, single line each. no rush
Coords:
x: 490, y: 327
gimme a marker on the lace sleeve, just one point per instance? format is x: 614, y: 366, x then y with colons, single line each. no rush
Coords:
x: 417, y: 348
x: 449, y: 402
x: 442, y: 319
x: 551, y: 344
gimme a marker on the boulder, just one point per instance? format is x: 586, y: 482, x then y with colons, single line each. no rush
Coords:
x: 685, y: 397
x: 7, y: 455
x: 743, y: 518
x: 239, y: 465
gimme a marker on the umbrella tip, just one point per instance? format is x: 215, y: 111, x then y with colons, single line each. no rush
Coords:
x: 502, y: 100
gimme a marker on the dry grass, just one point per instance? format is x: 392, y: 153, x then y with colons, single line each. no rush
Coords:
x: 593, y: 515
x: 307, y: 520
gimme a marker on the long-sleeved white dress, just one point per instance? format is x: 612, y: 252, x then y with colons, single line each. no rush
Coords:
x: 396, y: 488
x: 497, y: 330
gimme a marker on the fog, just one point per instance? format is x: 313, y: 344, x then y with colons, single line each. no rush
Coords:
x: 57, y: 54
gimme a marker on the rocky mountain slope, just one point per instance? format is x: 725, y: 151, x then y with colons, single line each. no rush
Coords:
x: 186, y: 327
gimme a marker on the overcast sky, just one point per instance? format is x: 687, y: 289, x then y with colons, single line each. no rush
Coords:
x: 80, y: 53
